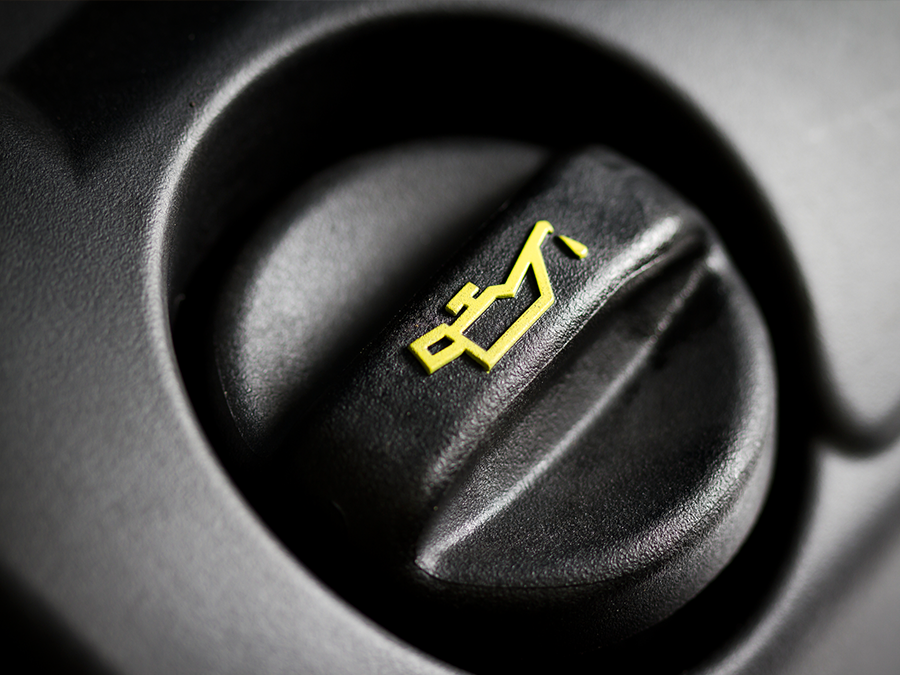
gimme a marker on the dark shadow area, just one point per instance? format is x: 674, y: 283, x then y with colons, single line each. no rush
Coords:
x: 34, y: 638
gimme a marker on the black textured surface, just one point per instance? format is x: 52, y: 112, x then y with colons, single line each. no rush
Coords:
x: 135, y: 139
x: 343, y: 255
x: 598, y: 476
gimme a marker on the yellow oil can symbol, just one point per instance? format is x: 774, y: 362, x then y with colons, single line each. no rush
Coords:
x: 449, y: 339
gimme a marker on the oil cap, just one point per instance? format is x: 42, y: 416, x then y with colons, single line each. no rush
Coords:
x: 560, y: 441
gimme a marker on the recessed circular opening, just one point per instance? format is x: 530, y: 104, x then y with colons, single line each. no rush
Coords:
x: 428, y: 76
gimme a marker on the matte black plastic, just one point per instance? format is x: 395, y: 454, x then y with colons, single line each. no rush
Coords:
x: 600, y: 474
x: 139, y: 143
x: 329, y: 269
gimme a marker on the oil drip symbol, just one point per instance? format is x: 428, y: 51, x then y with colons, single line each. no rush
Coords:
x: 455, y: 344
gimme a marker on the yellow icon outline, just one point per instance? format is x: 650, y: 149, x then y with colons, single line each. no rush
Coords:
x: 468, y: 308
